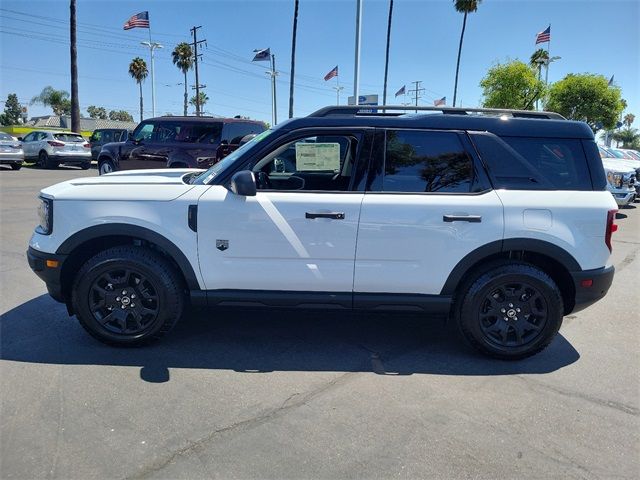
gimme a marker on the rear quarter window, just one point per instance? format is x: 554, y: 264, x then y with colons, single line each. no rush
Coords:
x: 561, y: 161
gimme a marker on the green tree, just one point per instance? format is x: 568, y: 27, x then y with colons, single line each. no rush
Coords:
x: 511, y: 85
x: 58, y: 100
x: 586, y: 97
x: 466, y: 7
x: 629, y: 137
x: 12, y: 110
x: 539, y: 58
x: 182, y: 57
x: 138, y: 71
x: 97, y: 112
x: 203, y: 100
x: 120, y: 115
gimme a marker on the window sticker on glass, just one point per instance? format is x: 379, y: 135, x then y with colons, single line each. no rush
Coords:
x: 317, y: 156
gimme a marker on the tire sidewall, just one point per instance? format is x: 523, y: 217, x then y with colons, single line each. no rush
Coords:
x: 160, y: 280
x: 469, y: 312
x: 101, y: 165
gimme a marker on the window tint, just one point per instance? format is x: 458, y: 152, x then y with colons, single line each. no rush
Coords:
x: 96, y: 136
x: 29, y: 137
x: 507, y: 168
x: 420, y: 162
x: 235, y: 131
x: 311, y: 163
x: 560, y: 161
x: 192, y: 132
x: 5, y: 136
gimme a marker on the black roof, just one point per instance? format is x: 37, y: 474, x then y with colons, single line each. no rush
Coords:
x: 497, y: 122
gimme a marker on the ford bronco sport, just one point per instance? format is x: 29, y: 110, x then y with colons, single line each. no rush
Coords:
x: 496, y: 219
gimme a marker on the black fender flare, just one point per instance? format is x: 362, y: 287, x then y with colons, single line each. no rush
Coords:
x: 135, y: 231
x: 542, y: 247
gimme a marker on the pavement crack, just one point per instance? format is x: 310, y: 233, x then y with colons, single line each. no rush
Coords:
x: 249, y: 423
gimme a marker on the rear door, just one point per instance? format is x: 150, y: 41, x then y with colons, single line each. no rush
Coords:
x: 427, y: 205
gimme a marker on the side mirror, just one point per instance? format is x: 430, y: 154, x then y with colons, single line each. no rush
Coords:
x: 20, y: 139
x: 244, y: 183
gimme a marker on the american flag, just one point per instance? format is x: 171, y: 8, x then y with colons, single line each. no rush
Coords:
x: 140, y: 20
x: 402, y: 91
x: 544, y: 36
x: 331, y: 74
x: 261, y: 55
x: 440, y: 101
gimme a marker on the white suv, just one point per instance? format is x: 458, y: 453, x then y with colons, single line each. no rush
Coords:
x: 51, y: 148
x: 498, y: 220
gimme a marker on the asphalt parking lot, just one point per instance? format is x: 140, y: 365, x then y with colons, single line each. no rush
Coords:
x: 249, y: 394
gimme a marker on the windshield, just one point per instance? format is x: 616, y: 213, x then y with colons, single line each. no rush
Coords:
x: 214, y: 171
x: 5, y: 136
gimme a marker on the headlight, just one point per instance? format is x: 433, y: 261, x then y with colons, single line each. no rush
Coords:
x: 614, y: 179
x: 45, y: 212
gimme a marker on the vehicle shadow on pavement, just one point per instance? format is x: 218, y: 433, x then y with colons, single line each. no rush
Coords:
x: 255, y: 341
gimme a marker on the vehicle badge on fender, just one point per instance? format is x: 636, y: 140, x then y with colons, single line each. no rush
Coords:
x: 222, y: 245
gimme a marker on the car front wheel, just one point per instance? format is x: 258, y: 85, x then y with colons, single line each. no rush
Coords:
x: 510, y: 310
x: 106, y: 167
x: 128, y: 296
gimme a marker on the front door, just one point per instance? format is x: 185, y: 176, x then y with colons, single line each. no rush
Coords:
x: 427, y: 206
x: 298, y: 234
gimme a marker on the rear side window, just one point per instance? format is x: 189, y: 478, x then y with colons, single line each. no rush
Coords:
x: 561, y: 161
x: 235, y: 131
x: 426, y: 162
x: 68, y: 137
x: 196, y: 132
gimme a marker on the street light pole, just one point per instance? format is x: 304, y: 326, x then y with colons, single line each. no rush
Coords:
x: 152, y: 46
x: 356, y: 75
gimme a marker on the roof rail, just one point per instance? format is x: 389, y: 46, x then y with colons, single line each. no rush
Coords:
x: 362, y: 110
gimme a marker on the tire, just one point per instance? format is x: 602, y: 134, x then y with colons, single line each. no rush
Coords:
x: 45, y: 162
x: 105, y: 167
x: 523, y: 294
x: 85, y: 165
x: 128, y: 296
x: 16, y: 166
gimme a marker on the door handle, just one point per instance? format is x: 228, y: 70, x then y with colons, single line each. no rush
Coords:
x: 462, y: 218
x: 333, y: 215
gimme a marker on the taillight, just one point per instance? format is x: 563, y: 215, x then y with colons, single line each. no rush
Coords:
x: 55, y: 144
x: 611, y: 227
x: 87, y: 145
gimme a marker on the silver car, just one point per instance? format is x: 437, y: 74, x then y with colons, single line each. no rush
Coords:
x: 51, y: 148
x: 10, y: 151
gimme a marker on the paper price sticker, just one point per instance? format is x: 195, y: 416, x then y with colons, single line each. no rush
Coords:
x: 317, y: 156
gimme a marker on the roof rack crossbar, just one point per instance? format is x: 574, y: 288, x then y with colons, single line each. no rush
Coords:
x: 362, y: 110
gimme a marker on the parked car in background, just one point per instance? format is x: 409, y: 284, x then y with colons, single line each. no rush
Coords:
x: 101, y: 136
x: 619, y: 161
x: 620, y: 181
x: 632, y: 153
x: 176, y: 142
x: 11, y: 151
x: 51, y: 148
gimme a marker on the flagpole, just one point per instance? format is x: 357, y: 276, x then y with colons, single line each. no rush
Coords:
x: 356, y: 75
x: 153, y: 76
x: 546, y: 70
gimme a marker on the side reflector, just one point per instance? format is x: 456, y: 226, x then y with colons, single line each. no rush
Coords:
x: 586, y: 283
x: 52, y: 263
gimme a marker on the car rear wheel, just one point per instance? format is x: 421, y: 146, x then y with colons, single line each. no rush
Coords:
x: 85, y: 165
x: 105, y: 167
x: 510, y: 310
x: 44, y: 161
x: 128, y: 296
x: 16, y: 166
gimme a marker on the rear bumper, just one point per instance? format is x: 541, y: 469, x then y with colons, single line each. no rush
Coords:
x: 50, y: 275
x: 66, y: 158
x: 11, y: 157
x: 601, y: 279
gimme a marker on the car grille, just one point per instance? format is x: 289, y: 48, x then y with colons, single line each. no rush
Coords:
x: 628, y: 180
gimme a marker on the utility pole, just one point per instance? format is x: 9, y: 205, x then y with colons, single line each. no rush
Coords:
x: 196, y: 56
x: 274, y: 74
x: 417, y: 92
x: 356, y: 75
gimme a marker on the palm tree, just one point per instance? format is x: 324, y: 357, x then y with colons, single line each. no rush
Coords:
x: 138, y: 70
x: 386, y: 58
x: 203, y: 99
x: 466, y: 7
x: 293, y: 55
x: 629, y: 118
x: 539, y: 58
x: 73, y: 50
x: 58, y: 100
x: 182, y: 57
x: 629, y: 137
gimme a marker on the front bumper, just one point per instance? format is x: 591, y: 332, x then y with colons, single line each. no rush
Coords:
x: 624, y: 198
x: 591, y: 286
x: 42, y: 265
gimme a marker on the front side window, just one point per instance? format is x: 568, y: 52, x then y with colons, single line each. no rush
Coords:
x: 29, y: 137
x: 143, y: 132
x: 96, y: 136
x: 426, y: 162
x: 320, y: 162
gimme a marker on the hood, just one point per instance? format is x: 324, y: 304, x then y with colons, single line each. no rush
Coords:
x: 627, y: 162
x: 616, y: 165
x: 155, y: 185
